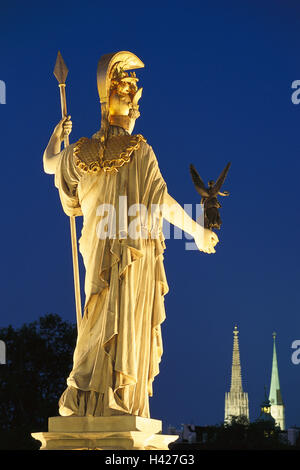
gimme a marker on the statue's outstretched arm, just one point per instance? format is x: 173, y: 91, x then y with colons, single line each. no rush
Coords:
x: 52, y: 151
x: 173, y: 212
x: 176, y: 215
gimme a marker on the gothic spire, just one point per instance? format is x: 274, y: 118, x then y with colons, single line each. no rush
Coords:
x: 275, y: 393
x: 277, y: 406
x: 236, y: 401
x: 236, y: 377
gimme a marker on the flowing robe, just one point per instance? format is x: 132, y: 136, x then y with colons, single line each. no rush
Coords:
x: 119, y: 344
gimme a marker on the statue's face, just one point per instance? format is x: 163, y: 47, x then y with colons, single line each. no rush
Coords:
x: 125, y: 88
x: 123, y: 101
x: 119, y: 105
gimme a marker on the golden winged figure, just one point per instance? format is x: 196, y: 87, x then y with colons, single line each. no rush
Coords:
x: 209, y: 196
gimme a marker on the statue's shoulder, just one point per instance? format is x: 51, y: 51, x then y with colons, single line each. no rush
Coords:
x: 92, y: 155
x: 139, y: 141
x: 86, y: 154
x: 118, y: 145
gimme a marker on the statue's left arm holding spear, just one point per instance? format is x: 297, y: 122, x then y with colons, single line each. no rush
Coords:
x: 50, y: 160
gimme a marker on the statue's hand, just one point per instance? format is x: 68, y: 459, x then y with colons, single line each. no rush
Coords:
x: 63, y: 128
x: 206, y: 240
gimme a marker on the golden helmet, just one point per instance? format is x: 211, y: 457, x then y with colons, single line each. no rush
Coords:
x: 112, y: 67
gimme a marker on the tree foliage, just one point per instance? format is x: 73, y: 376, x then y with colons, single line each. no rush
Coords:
x: 239, y: 434
x: 38, y: 361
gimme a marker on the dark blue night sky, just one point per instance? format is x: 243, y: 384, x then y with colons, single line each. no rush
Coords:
x: 217, y: 88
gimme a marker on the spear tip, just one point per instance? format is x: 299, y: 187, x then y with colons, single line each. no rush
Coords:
x: 60, y: 70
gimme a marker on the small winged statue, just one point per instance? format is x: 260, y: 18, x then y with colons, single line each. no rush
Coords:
x: 209, y: 196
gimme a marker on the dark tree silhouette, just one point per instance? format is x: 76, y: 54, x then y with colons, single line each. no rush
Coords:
x: 240, y: 434
x: 38, y: 360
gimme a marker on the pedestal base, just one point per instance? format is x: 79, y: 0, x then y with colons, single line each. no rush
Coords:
x: 104, y: 433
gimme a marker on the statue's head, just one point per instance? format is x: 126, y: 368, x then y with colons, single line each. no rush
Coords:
x: 123, y: 99
x: 118, y: 90
x: 211, y: 184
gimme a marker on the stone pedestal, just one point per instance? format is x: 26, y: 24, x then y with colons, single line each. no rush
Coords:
x: 104, y: 433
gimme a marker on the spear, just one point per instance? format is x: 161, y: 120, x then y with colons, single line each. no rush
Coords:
x: 60, y: 73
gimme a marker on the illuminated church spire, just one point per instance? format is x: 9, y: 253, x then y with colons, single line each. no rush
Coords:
x: 277, y: 406
x: 236, y: 401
